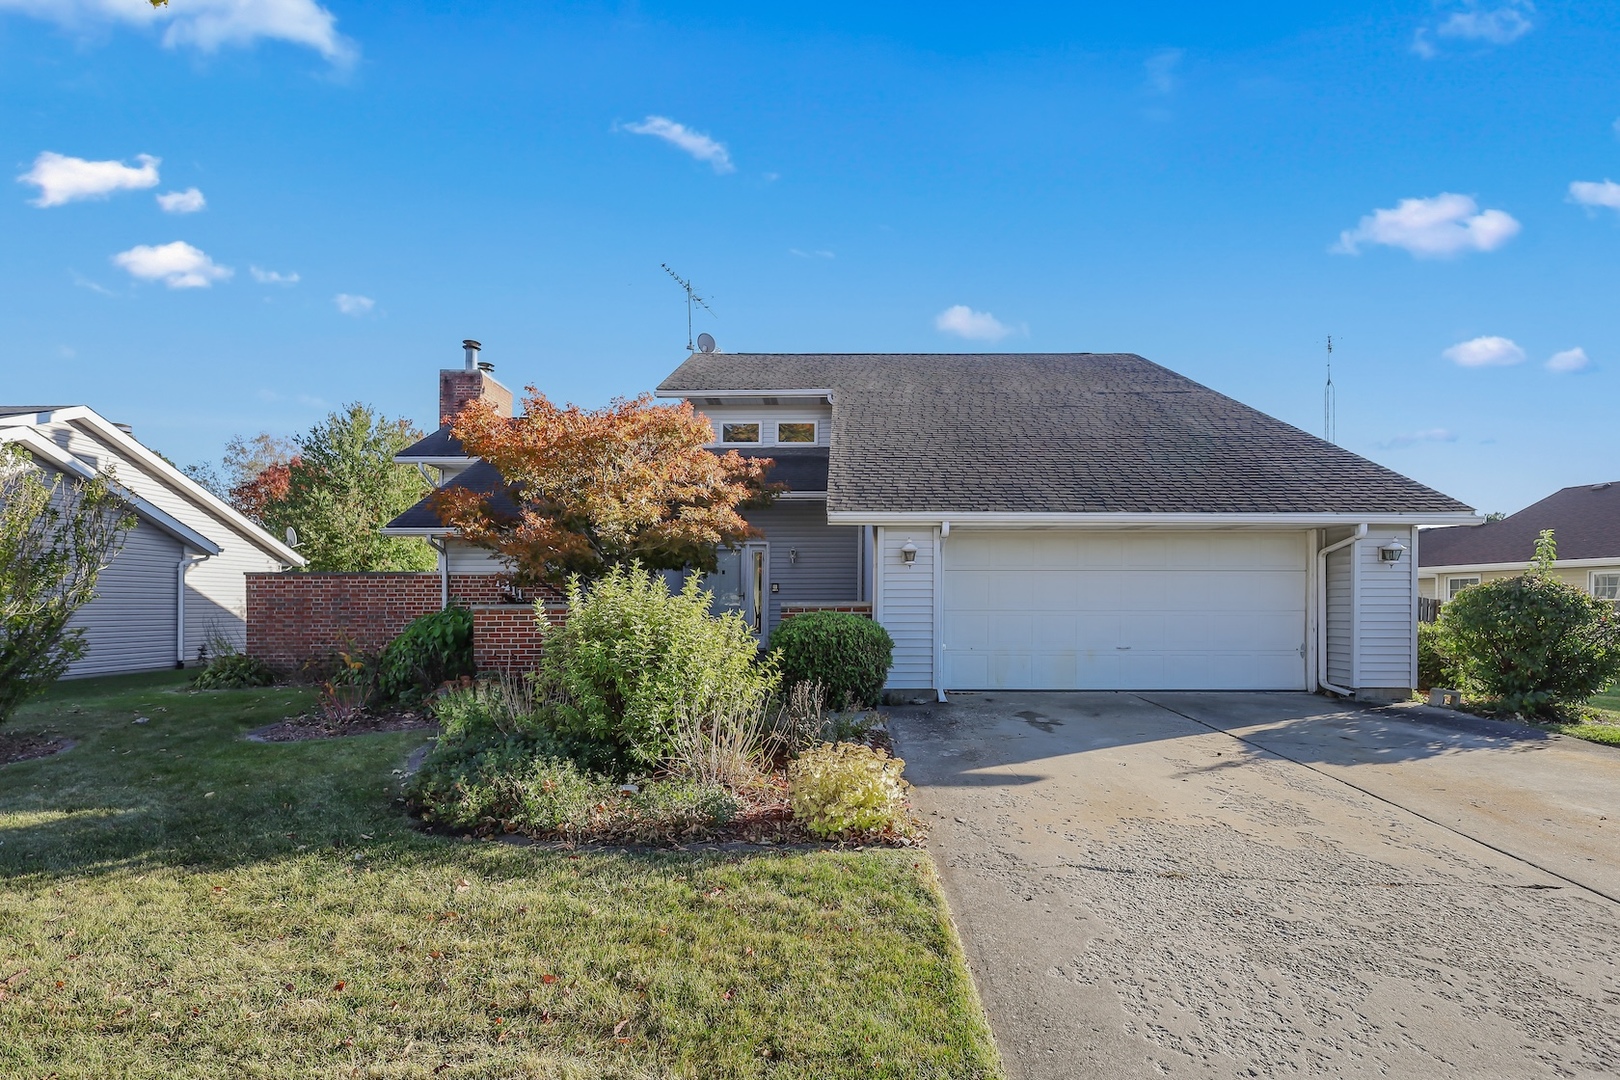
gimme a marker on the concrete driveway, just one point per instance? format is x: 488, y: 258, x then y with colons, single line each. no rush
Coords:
x: 1189, y: 885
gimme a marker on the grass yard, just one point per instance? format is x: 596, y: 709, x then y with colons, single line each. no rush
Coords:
x: 1604, y: 728
x: 176, y: 902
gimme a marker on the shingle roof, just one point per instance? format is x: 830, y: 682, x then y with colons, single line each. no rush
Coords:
x: 440, y: 444
x: 801, y: 469
x: 1585, y: 521
x: 1056, y: 433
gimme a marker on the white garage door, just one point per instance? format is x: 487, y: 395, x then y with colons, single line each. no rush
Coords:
x: 1073, y: 610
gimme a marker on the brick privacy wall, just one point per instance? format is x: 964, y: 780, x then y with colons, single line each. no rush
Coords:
x: 507, y: 637
x: 853, y: 607
x: 294, y: 618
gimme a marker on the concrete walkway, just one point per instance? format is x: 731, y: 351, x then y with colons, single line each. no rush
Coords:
x: 1191, y: 885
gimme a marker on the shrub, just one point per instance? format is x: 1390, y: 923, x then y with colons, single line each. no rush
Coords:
x: 849, y: 655
x: 633, y: 658
x: 432, y: 650
x: 499, y: 707
x: 724, y: 746
x: 1436, y: 665
x: 230, y: 671
x: 844, y: 788
x: 1532, y: 642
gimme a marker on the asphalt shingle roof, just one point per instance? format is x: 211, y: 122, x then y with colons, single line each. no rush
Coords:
x: 1585, y: 521
x: 440, y: 444
x: 1056, y: 433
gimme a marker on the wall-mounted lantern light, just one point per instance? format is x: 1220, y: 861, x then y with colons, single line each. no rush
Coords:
x: 908, y: 552
x: 793, y: 556
x: 1391, y: 552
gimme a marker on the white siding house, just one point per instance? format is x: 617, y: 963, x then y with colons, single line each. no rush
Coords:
x: 178, y: 581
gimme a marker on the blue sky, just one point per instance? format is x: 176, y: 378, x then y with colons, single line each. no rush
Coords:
x: 1214, y: 187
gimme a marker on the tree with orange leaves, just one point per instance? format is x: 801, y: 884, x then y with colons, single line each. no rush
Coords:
x: 586, y: 489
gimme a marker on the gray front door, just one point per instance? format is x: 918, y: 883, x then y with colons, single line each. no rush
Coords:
x: 739, y: 583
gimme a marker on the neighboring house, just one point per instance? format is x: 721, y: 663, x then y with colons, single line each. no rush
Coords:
x: 177, y: 583
x: 1586, y: 525
x: 1052, y: 521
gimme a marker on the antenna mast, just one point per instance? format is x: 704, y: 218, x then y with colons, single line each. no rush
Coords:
x: 691, y: 298
x: 1330, y: 400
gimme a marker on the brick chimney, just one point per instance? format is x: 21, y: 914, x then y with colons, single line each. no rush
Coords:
x: 473, y: 382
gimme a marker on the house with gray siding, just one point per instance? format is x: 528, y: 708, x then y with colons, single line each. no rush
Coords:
x: 177, y: 583
x: 1055, y: 521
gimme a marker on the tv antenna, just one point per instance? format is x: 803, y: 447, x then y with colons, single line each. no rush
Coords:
x: 691, y: 298
x: 1330, y: 400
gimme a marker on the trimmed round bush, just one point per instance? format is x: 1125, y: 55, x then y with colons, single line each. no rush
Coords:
x: 1532, y: 642
x: 849, y: 655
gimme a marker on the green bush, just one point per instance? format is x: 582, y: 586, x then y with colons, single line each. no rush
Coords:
x: 1532, y: 642
x: 849, y: 655
x: 633, y: 659
x: 1436, y: 665
x: 844, y: 788
x: 519, y: 785
x: 432, y: 650
x: 233, y: 670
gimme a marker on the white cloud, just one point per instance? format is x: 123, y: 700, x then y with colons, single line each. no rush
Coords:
x: 1428, y: 435
x: 695, y: 143
x: 1591, y: 193
x: 177, y: 265
x: 206, y: 25
x: 354, y: 305
x: 1569, y: 360
x: 1485, y: 352
x: 1473, y: 22
x: 271, y: 277
x: 1161, y: 70
x: 1448, y: 224
x: 964, y: 322
x: 63, y: 179
x: 188, y: 201
x: 819, y: 253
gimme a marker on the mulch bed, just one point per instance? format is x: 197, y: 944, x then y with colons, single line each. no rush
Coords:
x: 28, y: 745
x: 303, y: 728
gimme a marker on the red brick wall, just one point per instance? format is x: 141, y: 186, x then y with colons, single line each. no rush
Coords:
x: 508, y: 638
x: 854, y: 607
x: 295, y: 618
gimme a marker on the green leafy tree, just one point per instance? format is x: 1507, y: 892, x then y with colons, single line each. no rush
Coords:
x: 344, y: 486
x: 1533, y: 642
x: 56, y: 537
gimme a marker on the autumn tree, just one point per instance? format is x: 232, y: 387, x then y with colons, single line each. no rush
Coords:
x: 583, y: 490
x: 343, y: 487
x: 253, y: 474
x: 56, y: 536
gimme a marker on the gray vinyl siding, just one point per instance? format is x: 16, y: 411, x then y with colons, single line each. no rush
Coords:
x: 1340, y: 618
x: 828, y: 566
x: 905, y: 605
x: 768, y: 416
x: 132, y: 624
x: 1387, y: 614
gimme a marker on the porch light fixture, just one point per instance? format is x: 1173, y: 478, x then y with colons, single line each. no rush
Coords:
x: 908, y: 552
x: 1391, y: 552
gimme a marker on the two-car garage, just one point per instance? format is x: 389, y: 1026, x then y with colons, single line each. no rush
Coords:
x: 1073, y: 609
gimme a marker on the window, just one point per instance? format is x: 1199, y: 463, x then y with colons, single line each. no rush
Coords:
x: 1458, y: 584
x: 790, y: 433
x: 739, y: 433
x: 1606, y: 586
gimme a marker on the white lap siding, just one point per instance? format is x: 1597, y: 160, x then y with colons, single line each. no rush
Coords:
x: 132, y: 624
x: 904, y: 602
x: 1386, y: 613
x: 1340, y: 618
x: 216, y: 597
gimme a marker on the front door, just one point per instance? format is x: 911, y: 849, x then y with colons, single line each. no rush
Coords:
x: 739, y: 583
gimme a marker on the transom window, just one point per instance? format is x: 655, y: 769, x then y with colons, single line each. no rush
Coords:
x: 739, y: 433
x: 1606, y: 586
x: 796, y: 432
x: 1458, y: 584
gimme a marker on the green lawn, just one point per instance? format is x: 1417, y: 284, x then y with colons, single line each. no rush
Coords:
x: 1605, y: 727
x: 176, y: 902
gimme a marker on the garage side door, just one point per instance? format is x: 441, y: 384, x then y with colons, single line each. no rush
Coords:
x: 1075, y: 610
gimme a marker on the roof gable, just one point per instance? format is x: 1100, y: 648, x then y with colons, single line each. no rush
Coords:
x: 1585, y: 521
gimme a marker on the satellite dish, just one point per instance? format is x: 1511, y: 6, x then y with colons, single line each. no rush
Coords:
x: 706, y: 343
x: 292, y: 537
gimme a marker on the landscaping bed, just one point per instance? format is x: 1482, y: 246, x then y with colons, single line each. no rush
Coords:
x: 316, y: 726
x: 27, y: 745
x: 178, y: 903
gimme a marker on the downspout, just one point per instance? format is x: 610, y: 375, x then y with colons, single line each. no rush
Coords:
x: 444, y: 571
x: 1322, y: 612
x: 186, y: 563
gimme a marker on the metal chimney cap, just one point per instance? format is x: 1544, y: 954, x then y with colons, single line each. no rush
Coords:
x: 485, y: 366
x: 469, y: 343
